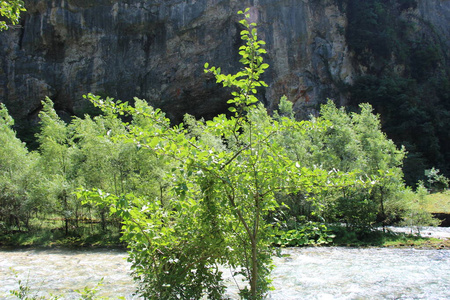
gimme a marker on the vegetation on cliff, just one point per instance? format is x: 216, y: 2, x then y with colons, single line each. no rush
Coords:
x: 407, y: 79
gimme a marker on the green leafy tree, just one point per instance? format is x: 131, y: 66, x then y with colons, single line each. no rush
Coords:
x: 101, y: 162
x: 57, y: 162
x: 436, y: 182
x: 224, y: 174
x: 16, y: 176
x: 416, y: 216
x: 382, y: 162
x: 10, y: 10
x: 352, y: 142
x: 112, y: 165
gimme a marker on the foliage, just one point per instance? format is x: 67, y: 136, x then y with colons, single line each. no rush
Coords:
x: 90, y: 293
x: 376, y: 30
x: 416, y: 215
x: 105, y: 162
x: 41, y: 184
x: 16, y: 175
x: 224, y: 173
x: 350, y: 142
x: 57, y: 154
x: 407, y: 120
x: 168, y: 262
x: 311, y: 233
x: 109, y: 165
x: 10, y: 10
x: 85, y: 152
x: 425, y: 58
x: 436, y: 182
x: 369, y: 28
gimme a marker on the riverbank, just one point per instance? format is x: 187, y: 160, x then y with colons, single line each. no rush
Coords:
x: 55, y: 238
x: 393, y: 237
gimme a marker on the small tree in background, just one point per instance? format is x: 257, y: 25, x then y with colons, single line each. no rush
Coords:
x: 436, y: 182
x: 355, y: 142
x: 57, y: 162
x: 16, y: 177
x: 416, y: 215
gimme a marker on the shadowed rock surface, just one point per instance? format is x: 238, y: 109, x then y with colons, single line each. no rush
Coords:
x: 156, y: 49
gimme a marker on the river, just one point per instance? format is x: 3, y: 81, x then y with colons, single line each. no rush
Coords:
x: 301, y: 273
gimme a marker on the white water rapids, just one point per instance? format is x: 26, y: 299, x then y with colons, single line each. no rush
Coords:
x: 301, y: 273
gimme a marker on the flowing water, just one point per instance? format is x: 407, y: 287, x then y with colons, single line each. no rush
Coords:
x: 301, y: 273
x: 346, y: 273
x: 60, y: 272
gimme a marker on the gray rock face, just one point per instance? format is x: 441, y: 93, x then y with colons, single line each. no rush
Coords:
x: 436, y: 13
x: 156, y: 49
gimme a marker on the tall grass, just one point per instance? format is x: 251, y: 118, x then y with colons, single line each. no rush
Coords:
x: 438, y: 202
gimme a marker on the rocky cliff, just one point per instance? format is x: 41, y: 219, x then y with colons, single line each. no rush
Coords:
x: 156, y: 49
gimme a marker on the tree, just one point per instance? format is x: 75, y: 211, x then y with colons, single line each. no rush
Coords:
x: 105, y: 162
x: 102, y: 163
x: 224, y: 174
x: 436, y: 182
x: 382, y: 162
x: 10, y: 10
x: 354, y: 142
x: 416, y: 214
x: 16, y: 167
x: 57, y: 162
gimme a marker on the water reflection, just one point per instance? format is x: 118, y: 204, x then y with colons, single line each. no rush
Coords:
x: 302, y: 273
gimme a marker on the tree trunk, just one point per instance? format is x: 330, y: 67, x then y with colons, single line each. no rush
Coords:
x: 383, y: 214
x: 254, y: 271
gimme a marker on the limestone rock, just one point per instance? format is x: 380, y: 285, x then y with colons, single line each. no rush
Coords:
x: 156, y: 49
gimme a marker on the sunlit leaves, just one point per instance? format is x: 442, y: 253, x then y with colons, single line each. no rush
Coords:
x: 248, y: 79
x: 10, y: 9
x: 17, y: 174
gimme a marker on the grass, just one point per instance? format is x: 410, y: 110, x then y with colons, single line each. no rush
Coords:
x: 378, y: 238
x: 438, y: 202
x: 51, y: 233
x: 412, y: 241
x: 47, y: 239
